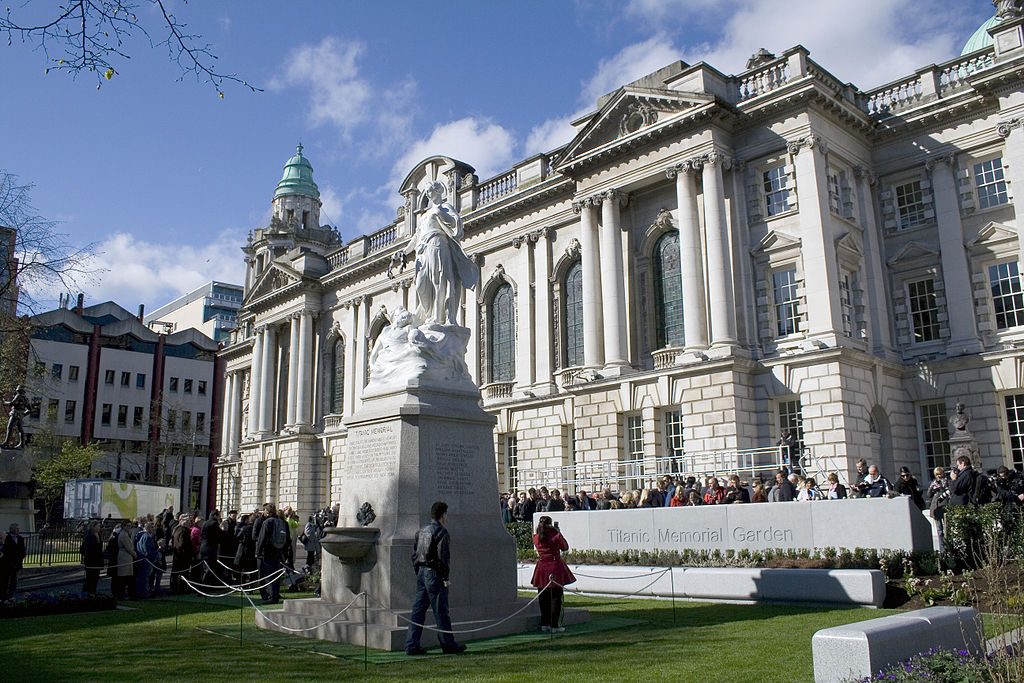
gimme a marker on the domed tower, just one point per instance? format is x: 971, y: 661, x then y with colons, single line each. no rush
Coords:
x: 294, y: 225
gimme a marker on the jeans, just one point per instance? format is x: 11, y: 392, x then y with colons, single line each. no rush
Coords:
x: 430, y: 592
x: 268, y: 567
x: 142, y: 574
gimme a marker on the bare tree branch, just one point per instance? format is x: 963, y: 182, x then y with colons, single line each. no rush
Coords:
x: 91, y: 35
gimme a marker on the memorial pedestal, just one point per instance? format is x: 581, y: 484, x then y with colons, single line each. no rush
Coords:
x: 405, y: 450
x: 15, y: 504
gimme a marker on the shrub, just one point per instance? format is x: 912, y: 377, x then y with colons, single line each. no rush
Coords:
x: 39, y: 604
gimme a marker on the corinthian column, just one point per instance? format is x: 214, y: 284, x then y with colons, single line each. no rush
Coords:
x: 234, y: 435
x: 593, y: 332
x: 305, y: 370
x: 256, y: 382
x: 613, y: 288
x: 293, y: 368
x: 691, y: 256
x: 720, y: 281
x: 225, y: 446
x: 268, y: 402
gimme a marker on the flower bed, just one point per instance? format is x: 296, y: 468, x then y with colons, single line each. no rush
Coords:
x: 43, y: 604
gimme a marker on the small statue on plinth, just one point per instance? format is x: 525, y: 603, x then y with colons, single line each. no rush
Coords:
x: 960, y: 419
x: 961, y: 441
x: 19, y: 408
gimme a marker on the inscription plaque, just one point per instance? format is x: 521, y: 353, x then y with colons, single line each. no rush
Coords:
x: 372, y: 452
x: 452, y: 468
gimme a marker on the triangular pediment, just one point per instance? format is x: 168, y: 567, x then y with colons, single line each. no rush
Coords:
x: 775, y: 241
x: 913, y: 251
x: 629, y: 112
x: 850, y: 243
x: 274, y: 278
x: 993, y: 233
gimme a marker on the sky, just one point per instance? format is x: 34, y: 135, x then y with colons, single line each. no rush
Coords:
x: 164, y: 178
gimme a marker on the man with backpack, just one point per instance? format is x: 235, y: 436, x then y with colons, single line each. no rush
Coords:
x: 271, y: 547
x: 968, y: 486
x: 146, y: 558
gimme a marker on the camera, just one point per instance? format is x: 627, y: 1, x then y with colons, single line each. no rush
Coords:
x: 556, y: 525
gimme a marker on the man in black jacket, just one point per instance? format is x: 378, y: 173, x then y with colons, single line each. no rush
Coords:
x: 11, y: 561
x: 965, y: 480
x: 430, y: 561
x: 271, y: 549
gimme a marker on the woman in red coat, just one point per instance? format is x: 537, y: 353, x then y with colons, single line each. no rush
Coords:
x: 550, y: 574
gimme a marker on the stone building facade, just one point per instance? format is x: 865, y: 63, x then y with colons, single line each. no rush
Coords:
x: 712, y: 259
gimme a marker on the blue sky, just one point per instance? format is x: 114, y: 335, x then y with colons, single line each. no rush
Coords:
x: 166, y: 178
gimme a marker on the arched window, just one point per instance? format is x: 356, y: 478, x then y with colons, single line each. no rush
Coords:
x: 573, y: 314
x: 668, y: 291
x: 502, y: 337
x: 338, y: 377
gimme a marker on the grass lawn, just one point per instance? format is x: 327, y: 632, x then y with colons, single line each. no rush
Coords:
x: 169, y: 639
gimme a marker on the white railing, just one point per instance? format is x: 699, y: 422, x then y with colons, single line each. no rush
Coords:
x: 497, y: 390
x: 953, y: 75
x: 667, y: 357
x: 764, y: 79
x: 381, y: 239
x: 619, y: 475
x: 338, y: 258
x: 498, y: 187
x: 332, y: 423
x: 894, y: 97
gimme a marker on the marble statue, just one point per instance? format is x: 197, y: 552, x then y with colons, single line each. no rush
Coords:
x: 443, y: 271
x: 19, y: 408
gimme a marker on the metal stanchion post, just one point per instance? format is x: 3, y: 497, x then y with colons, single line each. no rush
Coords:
x: 366, y: 627
x: 672, y: 579
x: 241, y: 612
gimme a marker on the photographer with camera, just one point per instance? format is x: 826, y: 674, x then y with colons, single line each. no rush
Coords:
x: 550, y: 574
x: 937, y: 497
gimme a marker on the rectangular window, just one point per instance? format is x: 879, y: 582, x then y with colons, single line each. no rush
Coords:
x: 1015, y: 427
x: 137, y: 416
x: 108, y: 409
x: 52, y: 408
x: 787, y: 302
x: 835, y: 196
x: 69, y: 411
x: 40, y: 370
x: 73, y: 373
x: 37, y: 408
x: 188, y: 386
x: 791, y: 418
x: 1007, y: 299
x: 512, y: 461
x: 122, y: 416
x: 172, y: 419
x: 140, y: 381
x: 108, y: 377
x: 991, y: 185
x: 846, y: 304
x: 126, y: 379
x: 924, y: 310
x: 200, y: 422
x: 911, y: 210
x: 633, y: 466
x: 776, y: 190
x: 934, y: 435
x: 58, y: 370
x: 674, y: 433
x: 201, y: 387
x: 186, y: 420
x: 174, y: 384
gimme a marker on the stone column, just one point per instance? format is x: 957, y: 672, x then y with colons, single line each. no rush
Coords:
x: 268, y: 374
x: 876, y: 306
x: 473, y: 323
x: 1012, y: 133
x: 256, y: 382
x: 613, y: 286
x: 351, y: 350
x: 304, y: 399
x: 593, y: 333
x: 522, y: 270
x: 234, y: 436
x: 720, y: 280
x: 225, y: 430
x: 542, y: 311
x: 293, y: 368
x: 963, y: 331
x: 363, y: 354
x: 691, y: 256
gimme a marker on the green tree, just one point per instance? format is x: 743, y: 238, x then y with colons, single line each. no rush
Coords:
x: 73, y: 461
x: 94, y: 36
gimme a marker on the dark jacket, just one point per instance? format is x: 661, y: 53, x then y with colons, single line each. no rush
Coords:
x: 909, y: 487
x: 13, y: 552
x: 92, y: 551
x: 265, y: 545
x: 245, y: 553
x: 1008, y: 489
x: 431, y: 549
x: 523, y: 511
x: 210, y: 540
x: 960, y: 490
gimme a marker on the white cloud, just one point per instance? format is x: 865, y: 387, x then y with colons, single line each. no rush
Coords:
x: 486, y: 146
x: 332, y: 207
x: 135, y: 271
x: 338, y: 95
x: 629, y: 64
x: 550, y: 134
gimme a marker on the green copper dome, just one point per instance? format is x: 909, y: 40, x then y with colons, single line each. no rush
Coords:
x: 980, y: 38
x: 298, y: 177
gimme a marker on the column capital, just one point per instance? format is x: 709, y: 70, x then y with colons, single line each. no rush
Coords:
x: 517, y: 241
x: 262, y: 327
x: 615, y: 195
x: 944, y: 159
x: 716, y: 158
x: 1004, y: 128
x: 812, y: 141
x: 538, y: 235
x: 866, y: 174
x: 589, y: 201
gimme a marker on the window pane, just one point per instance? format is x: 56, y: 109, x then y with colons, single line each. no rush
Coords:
x: 633, y: 465
x: 574, y: 316
x: 910, y: 205
x: 668, y: 291
x: 924, y: 310
x: 1015, y: 427
x: 1007, y: 299
x: 791, y: 418
x: 503, y: 335
x: 674, y: 433
x: 988, y: 177
x: 934, y: 435
x: 338, y: 377
x: 787, y: 314
x: 776, y: 193
x: 512, y: 461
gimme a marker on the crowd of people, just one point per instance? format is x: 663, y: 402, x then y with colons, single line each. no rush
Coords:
x: 960, y: 485
x: 206, y: 552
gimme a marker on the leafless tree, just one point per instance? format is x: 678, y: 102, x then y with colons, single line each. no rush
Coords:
x: 43, y: 259
x: 93, y: 35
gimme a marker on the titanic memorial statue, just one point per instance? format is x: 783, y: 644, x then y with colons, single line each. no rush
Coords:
x: 419, y: 436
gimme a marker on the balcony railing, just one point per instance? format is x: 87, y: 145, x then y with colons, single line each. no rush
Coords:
x: 496, y: 188
x: 381, y: 239
x: 496, y: 390
x: 332, y: 423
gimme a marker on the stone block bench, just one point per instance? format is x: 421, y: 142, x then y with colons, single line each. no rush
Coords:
x: 861, y: 587
x: 853, y: 651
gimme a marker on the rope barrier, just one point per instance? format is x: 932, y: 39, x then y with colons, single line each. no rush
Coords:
x: 627, y: 595
x: 237, y: 571
x: 301, y: 630
x: 232, y: 589
x: 617, y: 578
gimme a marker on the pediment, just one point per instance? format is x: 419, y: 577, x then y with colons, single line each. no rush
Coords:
x: 993, y: 233
x: 273, y: 279
x: 775, y: 241
x: 629, y: 112
x: 850, y: 243
x: 913, y: 251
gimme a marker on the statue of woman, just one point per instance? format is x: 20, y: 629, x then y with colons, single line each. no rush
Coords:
x: 443, y: 270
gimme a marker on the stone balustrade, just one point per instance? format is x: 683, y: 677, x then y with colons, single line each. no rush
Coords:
x: 496, y: 188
